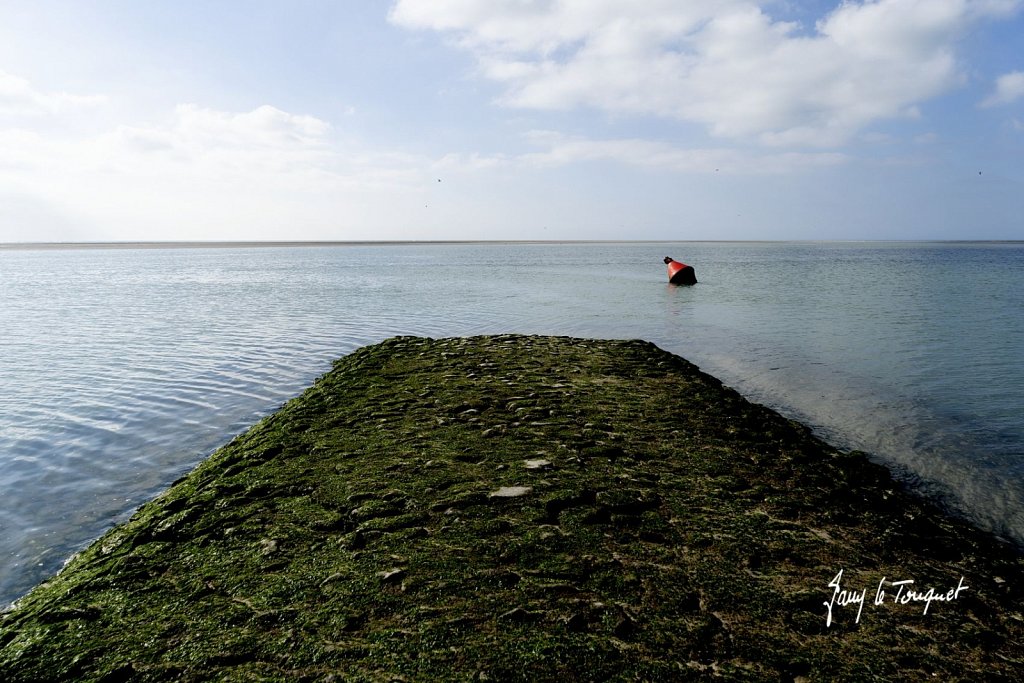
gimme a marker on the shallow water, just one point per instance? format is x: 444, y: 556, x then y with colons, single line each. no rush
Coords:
x: 121, y: 369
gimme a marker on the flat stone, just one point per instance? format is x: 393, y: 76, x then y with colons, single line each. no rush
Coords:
x: 511, y: 492
x: 539, y: 464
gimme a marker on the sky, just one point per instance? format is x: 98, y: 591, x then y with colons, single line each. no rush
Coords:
x: 511, y: 119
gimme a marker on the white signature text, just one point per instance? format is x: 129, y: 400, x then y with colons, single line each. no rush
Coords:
x: 905, y: 593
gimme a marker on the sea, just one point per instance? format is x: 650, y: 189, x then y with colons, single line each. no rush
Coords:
x: 123, y: 366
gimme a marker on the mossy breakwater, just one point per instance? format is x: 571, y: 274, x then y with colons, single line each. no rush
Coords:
x: 525, y: 508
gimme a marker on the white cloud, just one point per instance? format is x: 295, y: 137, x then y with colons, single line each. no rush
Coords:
x: 1009, y: 88
x: 19, y: 98
x: 207, y: 174
x: 264, y: 126
x: 195, y: 140
x: 555, y: 150
x: 265, y: 138
x: 726, y: 64
x: 472, y: 162
x: 563, y: 150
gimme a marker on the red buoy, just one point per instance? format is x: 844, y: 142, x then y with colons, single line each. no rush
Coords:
x: 680, y: 273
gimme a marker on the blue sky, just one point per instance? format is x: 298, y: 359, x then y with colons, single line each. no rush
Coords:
x: 511, y: 119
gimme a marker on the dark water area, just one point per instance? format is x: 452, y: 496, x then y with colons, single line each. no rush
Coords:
x: 120, y: 369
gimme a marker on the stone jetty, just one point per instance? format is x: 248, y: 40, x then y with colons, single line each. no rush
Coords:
x: 524, y: 508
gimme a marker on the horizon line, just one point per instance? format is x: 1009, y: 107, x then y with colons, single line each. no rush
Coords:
x: 219, y: 244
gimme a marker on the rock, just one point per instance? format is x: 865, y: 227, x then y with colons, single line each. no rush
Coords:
x: 517, y: 616
x: 356, y: 541
x: 625, y: 628
x: 538, y: 464
x: 502, y: 578
x: 333, y: 577
x: 575, y: 623
x: 392, y: 576
x: 511, y: 492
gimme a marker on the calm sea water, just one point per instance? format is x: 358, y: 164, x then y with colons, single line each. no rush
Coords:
x: 120, y: 369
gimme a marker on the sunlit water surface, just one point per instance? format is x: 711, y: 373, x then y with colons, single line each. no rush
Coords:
x: 120, y: 369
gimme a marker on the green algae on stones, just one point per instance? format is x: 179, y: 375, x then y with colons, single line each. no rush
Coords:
x: 516, y: 508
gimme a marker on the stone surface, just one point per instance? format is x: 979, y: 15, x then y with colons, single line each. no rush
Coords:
x: 511, y: 492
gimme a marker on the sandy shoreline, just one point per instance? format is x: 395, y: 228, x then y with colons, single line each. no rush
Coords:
x: 527, y: 508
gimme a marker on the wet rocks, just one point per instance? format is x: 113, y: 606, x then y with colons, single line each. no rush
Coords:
x: 521, y: 508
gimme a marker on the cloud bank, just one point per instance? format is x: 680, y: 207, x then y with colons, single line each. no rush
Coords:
x: 725, y: 64
x: 199, y: 174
